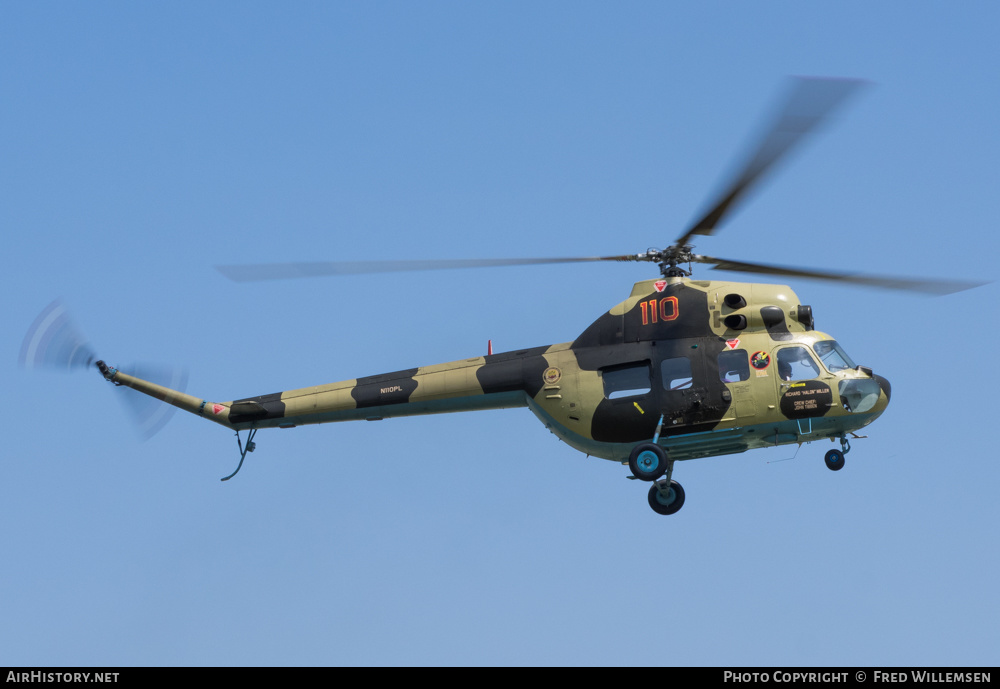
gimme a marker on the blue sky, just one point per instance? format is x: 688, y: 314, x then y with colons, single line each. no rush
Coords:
x: 143, y: 145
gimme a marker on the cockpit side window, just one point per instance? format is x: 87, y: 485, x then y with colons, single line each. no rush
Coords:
x: 795, y: 363
x: 626, y: 380
x: 833, y: 356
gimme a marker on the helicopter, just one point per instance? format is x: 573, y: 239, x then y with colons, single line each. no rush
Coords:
x: 682, y: 369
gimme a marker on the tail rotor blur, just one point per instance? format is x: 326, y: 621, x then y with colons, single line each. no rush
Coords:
x: 55, y: 342
x: 150, y: 414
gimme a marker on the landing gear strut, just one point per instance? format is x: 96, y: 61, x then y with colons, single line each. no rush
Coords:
x: 649, y: 462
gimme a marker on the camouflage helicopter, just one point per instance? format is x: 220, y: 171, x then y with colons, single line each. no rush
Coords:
x: 681, y: 369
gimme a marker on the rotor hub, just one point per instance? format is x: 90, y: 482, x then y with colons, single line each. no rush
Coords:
x: 669, y: 260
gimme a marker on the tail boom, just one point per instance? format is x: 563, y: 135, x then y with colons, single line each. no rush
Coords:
x: 494, y: 382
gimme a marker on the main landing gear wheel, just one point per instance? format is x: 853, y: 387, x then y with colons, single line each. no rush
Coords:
x: 647, y: 461
x: 666, y: 499
x: 834, y: 460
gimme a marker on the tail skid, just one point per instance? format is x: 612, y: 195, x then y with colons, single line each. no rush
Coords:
x: 250, y: 447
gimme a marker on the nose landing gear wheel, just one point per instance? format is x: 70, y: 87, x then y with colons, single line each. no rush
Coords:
x: 666, y: 499
x: 647, y: 461
x: 834, y: 460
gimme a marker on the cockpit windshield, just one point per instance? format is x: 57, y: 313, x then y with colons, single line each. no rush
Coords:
x: 833, y: 356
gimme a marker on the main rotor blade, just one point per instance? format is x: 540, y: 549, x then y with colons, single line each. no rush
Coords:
x: 809, y: 102
x: 936, y: 287
x: 286, y: 271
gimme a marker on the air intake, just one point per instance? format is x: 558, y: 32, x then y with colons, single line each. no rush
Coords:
x: 734, y: 301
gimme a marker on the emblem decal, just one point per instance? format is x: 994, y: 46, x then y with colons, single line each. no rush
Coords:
x: 760, y: 360
x: 660, y: 285
x: 551, y: 375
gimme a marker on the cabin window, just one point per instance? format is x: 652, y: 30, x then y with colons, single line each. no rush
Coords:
x: 627, y: 380
x: 833, y: 356
x: 795, y: 363
x: 676, y: 373
x: 734, y: 366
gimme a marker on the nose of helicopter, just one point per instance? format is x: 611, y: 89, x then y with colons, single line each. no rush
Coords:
x: 883, y: 399
x: 886, y: 388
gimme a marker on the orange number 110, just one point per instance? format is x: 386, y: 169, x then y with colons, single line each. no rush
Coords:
x: 655, y: 310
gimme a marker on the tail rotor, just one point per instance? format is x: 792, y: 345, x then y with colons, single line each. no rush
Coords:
x: 55, y: 342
